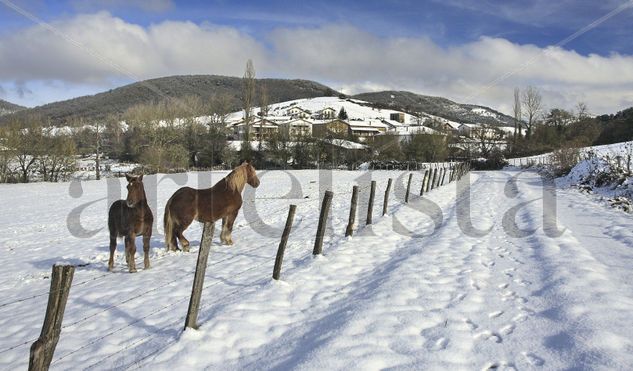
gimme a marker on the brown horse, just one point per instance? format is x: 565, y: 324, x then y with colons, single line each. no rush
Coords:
x: 129, y: 218
x: 222, y: 201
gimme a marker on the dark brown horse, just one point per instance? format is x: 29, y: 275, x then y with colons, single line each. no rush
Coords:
x: 129, y: 218
x: 222, y: 201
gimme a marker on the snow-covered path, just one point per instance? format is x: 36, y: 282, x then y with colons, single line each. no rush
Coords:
x: 412, y: 291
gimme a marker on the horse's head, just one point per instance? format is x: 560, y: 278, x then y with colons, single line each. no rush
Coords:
x: 135, y: 190
x: 251, y: 174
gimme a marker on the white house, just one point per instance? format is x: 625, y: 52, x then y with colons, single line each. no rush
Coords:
x: 258, y: 128
x: 295, y: 128
x: 297, y: 112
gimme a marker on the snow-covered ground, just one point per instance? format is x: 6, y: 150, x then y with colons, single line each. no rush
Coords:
x: 615, y: 149
x: 419, y: 289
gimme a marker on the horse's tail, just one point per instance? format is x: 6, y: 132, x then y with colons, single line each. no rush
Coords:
x: 169, y: 226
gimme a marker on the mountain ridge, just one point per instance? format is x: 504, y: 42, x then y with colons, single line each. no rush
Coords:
x: 7, y: 108
x: 116, y: 101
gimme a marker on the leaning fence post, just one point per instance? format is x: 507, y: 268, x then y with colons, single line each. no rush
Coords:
x: 325, y: 209
x: 352, y: 212
x: 370, y: 205
x: 406, y: 197
x: 282, y: 244
x: 191, y: 321
x: 43, y: 348
x: 443, y: 176
x: 426, y: 172
x: 385, y: 203
x: 434, y: 178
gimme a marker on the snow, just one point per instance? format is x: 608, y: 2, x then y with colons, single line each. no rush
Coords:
x: 356, y: 109
x: 419, y: 289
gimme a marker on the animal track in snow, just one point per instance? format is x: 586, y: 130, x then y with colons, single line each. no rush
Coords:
x: 533, y: 359
x: 495, y: 314
x: 470, y: 323
x: 507, y: 330
x: 503, y: 286
x: 488, y: 335
x: 441, y: 343
x: 498, y: 366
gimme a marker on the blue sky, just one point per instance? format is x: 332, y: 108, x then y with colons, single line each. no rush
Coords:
x: 272, y: 28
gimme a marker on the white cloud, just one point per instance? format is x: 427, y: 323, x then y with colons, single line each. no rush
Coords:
x: 146, y: 5
x: 341, y: 55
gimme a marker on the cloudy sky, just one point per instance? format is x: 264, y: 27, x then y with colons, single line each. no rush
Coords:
x: 471, y: 51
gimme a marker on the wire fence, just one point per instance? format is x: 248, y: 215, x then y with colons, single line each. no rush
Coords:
x: 164, y: 286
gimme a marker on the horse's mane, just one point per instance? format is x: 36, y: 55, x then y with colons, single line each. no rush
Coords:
x: 237, y: 178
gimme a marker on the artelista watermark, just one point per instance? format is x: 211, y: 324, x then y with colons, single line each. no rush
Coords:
x: 258, y: 218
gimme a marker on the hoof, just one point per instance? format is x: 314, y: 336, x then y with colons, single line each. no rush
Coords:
x: 147, y: 266
x: 133, y: 270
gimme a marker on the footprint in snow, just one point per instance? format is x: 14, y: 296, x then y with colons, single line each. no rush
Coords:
x: 499, y: 366
x: 522, y: 282
x: 503, y: 286
x: 495, y: 314
x: 507, y: 330
x: 488, y: 335
x: 472, y: 325
x: 441, y: 344
x: 533, y: 359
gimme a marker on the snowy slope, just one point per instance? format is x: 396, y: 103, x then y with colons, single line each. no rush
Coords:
x: 356, y: 109
x: 413, y: 291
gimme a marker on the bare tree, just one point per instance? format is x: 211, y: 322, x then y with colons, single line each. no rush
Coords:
x: 248, y: 92
x: 532, y: 101
x: 218, y: 109
x: 57, y: 159
x: 24, y: 139
x: 487, y: 138
x: 263, y: 108
x: 582, y: 111
x: 517, y: 113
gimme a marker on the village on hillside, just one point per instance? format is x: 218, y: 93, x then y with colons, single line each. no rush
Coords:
x: 357, y: 122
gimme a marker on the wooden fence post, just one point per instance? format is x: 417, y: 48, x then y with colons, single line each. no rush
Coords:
x: 443, y: 176
x: 325, y: 210
x: 406, y: 197
x: 282, y: 244
x: 434, y: 178
x: 349, y: 231
x: 191, y: 321
x: 385, y: 203
x: 370, y: 205
x: 43, y: 348
x: 426, y: 172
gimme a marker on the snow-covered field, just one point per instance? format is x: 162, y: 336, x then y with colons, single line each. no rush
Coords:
x: 419, y: 289
x: 615, y: 149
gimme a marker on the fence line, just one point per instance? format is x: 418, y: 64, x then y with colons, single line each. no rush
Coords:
x: 458, y: 170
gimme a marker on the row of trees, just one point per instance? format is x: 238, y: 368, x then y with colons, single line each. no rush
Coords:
x: 549, y: 130
x: 27, y: 152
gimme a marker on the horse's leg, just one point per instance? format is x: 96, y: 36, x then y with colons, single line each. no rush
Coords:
x: 229, y: 226
x: 225, y: 231
x: 147, y: 235
x: 178, y: 232
x: 112, y: 250
x: 183, y: 241
x: 131, y: 251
